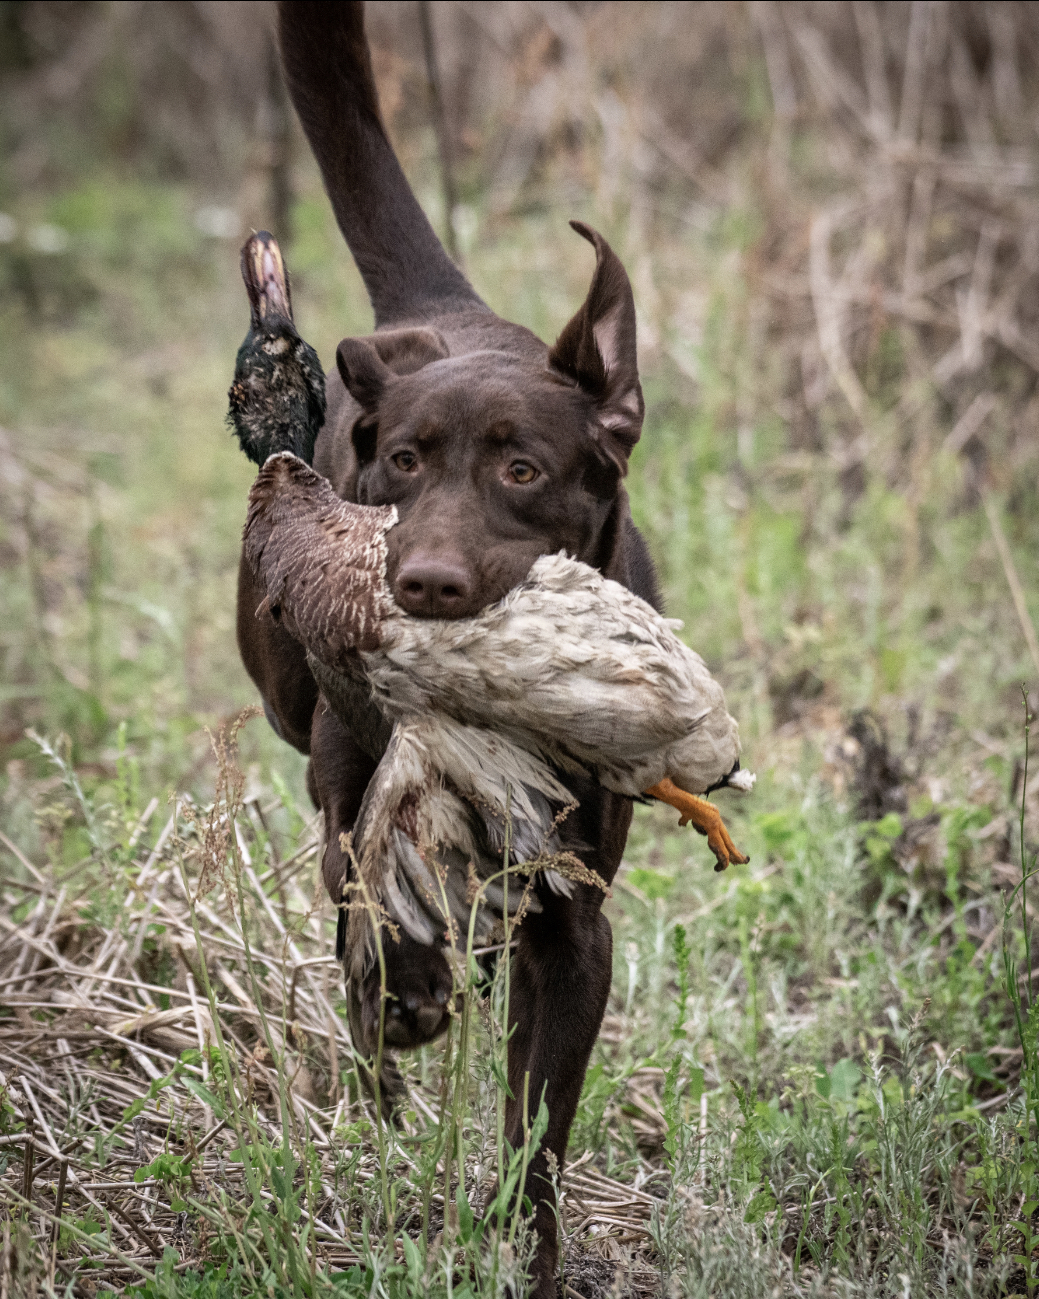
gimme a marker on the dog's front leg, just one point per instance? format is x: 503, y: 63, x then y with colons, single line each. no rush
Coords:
x: 277, y: 665
x: 341, y: 771
x: 562, y: 973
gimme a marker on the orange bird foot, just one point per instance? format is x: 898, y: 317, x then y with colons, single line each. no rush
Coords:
x: 705, y: 818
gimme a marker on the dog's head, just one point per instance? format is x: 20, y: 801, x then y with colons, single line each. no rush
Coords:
x: 500, y: 455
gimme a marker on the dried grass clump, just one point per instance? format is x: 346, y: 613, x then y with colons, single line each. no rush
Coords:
x: 916, y: 259
x: 165, y: 1007
x: 891, y: 201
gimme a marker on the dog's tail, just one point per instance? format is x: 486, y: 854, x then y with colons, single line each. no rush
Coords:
x: 328, y: 67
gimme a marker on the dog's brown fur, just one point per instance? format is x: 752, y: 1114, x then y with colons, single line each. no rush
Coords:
x: 444, y: 411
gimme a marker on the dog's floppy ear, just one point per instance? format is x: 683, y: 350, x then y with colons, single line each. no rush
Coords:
x: 364, y: 372
x: 408, y: 350
x: 597, y: 349
x: 368, y: 364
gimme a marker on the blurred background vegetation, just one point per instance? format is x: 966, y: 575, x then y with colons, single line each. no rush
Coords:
x: 830, y: 216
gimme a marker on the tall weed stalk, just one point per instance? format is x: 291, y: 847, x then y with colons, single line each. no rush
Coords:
x: 1026, y: 1022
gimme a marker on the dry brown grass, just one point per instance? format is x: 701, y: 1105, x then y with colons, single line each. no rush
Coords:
x: 115, y: 1052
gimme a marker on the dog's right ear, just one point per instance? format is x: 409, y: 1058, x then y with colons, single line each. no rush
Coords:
x: 408, y: 350
x: 367, y: 365
x: 363, y: 371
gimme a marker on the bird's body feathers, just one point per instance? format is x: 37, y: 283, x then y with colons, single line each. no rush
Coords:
x: 277, y: 399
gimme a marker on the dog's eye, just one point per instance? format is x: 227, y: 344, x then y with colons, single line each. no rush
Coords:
x: 406, y: 461
x: 522, y: 473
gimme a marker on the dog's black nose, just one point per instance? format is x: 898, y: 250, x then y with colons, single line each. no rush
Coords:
x: 433, y: 586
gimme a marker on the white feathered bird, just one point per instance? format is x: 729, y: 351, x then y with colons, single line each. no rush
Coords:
x: 570, y: 672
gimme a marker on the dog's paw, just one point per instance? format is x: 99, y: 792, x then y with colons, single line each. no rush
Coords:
x: 418, y: 980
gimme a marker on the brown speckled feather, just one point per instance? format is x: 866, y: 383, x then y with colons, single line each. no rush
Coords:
x: 321, y: 560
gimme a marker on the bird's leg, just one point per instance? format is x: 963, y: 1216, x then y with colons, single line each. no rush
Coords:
x: 706, y: 819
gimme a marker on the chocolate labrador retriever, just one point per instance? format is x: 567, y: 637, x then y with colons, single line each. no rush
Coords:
x: 496, y: 449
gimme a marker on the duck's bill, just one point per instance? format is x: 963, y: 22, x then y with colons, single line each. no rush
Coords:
x: 266, y: 280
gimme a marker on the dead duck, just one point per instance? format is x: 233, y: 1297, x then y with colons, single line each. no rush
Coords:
x: 570, y: 672
x: 277, y: 400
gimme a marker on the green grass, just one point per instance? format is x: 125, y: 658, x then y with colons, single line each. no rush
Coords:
x: 793, y: 1071
x: 809, y: 1062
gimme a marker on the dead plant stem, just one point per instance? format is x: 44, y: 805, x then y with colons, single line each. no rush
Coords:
x: 1013, y: 581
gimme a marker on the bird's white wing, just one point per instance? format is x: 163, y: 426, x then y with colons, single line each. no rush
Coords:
x: 575, y: 666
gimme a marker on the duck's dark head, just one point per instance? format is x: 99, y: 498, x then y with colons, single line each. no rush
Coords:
x: 277, y: 400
